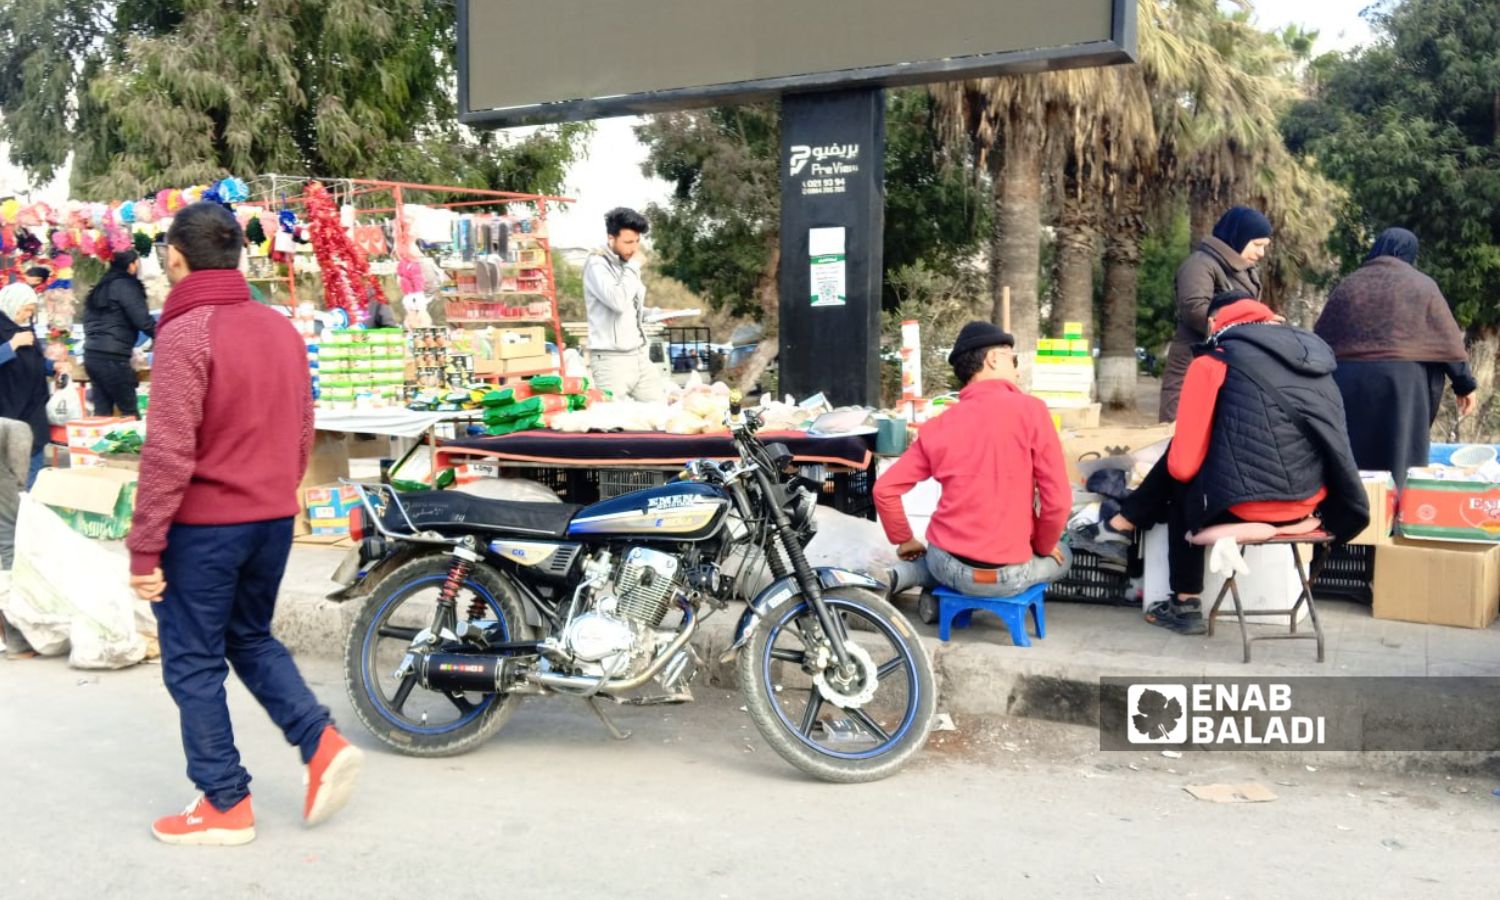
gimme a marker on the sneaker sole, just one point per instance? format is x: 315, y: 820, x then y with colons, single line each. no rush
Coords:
x: 210, y: 837
x: 337, y: 786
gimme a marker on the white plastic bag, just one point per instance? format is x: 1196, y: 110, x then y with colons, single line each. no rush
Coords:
x: 65, y: 405
x: 69, y: 591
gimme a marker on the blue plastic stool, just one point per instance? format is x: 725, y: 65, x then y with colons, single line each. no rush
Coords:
x: 956, y: 610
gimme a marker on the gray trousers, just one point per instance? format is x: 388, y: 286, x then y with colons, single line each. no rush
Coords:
x: 940, y: 568
x: 628, y: 376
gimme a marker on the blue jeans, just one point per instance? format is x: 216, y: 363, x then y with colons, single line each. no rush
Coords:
x: 939, y: 567
x: 38, y: 462
x: 221, y: 592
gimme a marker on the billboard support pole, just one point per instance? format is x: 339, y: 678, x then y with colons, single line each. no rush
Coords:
x: 832, y: 237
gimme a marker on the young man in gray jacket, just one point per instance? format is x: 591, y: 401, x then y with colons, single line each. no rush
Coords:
x: 619, y: 353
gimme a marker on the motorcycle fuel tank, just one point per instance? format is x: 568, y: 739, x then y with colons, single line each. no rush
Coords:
x: 678, y: 511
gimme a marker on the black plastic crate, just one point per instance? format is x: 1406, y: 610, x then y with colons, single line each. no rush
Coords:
x: 851, y: 493
x: 1088, y: 582
x: 1349, y: 574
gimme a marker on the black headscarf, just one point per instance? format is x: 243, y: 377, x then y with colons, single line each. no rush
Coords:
x: 1397, y: 242
x: 119, y: 267
x: 1240, y: 226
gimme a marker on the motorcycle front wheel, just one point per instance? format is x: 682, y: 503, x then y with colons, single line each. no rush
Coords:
x: 863, y: 729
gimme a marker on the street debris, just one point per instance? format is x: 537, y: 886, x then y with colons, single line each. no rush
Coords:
x: 1231, y: 793
x: 1172, y: 754
x: 944, y: 722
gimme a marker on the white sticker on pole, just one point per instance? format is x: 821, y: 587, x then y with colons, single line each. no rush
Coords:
x: 911, y: 360
x: 826, y: 256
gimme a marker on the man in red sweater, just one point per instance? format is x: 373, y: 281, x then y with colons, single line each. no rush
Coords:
x: 231, y: 427
x: 1005, y: 497
x: 1261, y: 437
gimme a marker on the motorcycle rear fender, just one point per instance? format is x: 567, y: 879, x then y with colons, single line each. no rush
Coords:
x: 782, y: 590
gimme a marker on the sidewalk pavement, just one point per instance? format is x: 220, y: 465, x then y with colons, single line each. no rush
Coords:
x: 982, y: 672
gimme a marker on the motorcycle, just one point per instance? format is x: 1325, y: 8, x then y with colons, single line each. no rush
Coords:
x: 467, y: 605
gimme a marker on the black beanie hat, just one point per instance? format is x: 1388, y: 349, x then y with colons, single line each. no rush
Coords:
x: 1228, y: 298
x: 980, y: 335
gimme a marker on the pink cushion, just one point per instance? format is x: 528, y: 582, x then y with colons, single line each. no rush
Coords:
x: 1254, y: 532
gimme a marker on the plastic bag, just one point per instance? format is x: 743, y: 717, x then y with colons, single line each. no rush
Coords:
x: 67, y: 591
x: 65, y: 405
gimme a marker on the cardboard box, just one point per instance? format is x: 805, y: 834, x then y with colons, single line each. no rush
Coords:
x: 329, y: 460
x: 328, y: 508
x: 83, y: 434
x: 527, y: 364
x: 1380, y: 490
x: 519, y: 343
x: 1083, y: 444
x: 1438, y: 509
x: 1437, y: 583
x: 79, y: 458
x: 1076, y: 417
x: 95, y: 502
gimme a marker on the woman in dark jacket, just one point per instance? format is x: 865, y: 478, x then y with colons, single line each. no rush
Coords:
x: 23, y: 370
x: 1396, y: 343
x: 1224, y: 262
x: 116, y: 313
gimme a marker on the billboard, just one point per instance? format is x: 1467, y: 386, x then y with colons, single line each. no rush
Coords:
x: 533, y: 61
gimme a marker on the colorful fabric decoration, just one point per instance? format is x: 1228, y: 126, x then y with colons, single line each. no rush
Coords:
x: 143, y: 243
x: 255, y: 232
x: 233, y: 190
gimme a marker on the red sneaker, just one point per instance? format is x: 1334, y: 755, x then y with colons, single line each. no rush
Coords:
x: 204, y: 826
x: 330, y: 776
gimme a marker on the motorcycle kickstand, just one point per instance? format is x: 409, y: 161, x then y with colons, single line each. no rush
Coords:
x: 610, y: 726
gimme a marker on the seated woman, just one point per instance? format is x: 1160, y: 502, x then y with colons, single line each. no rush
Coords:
x: 1260, y: 438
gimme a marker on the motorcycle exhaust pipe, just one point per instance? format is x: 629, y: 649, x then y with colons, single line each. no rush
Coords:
x: 461, y: 672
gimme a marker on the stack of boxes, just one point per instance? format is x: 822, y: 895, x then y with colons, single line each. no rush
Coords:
x: 512, y: 351
x: 1064, y: 377
x: 361, y: 369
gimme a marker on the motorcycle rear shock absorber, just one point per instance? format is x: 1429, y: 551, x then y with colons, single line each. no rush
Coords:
x: 464, y: 560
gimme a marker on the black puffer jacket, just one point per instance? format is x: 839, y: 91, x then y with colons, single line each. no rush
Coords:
x: 1258, y: 452
x: 115, y: 314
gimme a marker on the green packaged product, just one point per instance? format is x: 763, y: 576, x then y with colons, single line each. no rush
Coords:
x: 525, y: 424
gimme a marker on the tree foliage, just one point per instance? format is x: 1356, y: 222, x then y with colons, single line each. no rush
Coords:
x: 719, y: 230
x: 1411, y: 127
x: 155, y: 94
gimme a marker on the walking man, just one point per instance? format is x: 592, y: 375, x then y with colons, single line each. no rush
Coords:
x: 231, y: 430
x: 619, y: 354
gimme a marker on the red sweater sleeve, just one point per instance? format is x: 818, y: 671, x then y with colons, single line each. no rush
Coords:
x: 910, y: 470
x: 1195, y: 417
x: 170, y: 455
x: 1054, y: 492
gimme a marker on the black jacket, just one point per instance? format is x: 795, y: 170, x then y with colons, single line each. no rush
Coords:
x: 1258, y: 452
x: 116, y: 312
x: 23, y: 386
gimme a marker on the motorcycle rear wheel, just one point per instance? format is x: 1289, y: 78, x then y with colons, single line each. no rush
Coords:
x: 389, y: 618
x: 866, y: 741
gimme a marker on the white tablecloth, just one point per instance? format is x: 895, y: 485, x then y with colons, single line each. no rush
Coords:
x: 403, y: 423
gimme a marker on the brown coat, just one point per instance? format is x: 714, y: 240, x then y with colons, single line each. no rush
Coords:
x: 1212, y: 269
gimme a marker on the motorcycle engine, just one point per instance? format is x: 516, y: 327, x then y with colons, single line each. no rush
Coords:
x: 615, y: 637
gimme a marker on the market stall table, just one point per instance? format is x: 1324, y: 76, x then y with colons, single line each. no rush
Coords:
x: 595, y: 465
x: 420, y: 427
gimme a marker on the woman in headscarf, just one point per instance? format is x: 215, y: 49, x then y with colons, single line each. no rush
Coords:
x: 1396, y: 342
x: 115, y: 316
x: 1224, y: 262
x: 23, y: 370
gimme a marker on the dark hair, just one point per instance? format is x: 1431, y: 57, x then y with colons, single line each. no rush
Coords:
x: 38, y: 272
x: 208, y: 236
x: 969, y: 363
x: 621, y: 218
x: 1228, y: 298
x: 122, y: 261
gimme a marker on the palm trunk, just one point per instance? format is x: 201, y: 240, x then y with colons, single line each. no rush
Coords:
x: 1117, y: 363
x: 1077, y: 249
x: 770, y: 308
x: 1016, y: 260
x: 1203, y: 214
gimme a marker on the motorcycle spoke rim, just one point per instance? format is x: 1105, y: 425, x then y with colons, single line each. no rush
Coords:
x: 855, y: 733
x: 407, y: 613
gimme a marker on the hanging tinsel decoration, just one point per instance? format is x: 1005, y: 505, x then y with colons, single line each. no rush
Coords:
x: 255, y: 233
x: 143, y: 243
x: 344, y: 268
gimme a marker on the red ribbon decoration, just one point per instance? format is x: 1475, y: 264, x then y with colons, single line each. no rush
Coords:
x: 346, y: 271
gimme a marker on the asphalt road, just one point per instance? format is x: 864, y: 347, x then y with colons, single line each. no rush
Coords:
x: 697, y: 806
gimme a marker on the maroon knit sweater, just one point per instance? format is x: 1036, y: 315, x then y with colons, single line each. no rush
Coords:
x: 231, y: 421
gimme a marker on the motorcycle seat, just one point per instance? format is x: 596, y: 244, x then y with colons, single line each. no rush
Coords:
x: 457, y: 511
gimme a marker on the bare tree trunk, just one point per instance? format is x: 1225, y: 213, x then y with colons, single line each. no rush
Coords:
x: 1203, y: 214
x: 1484, y: 426
x: 1016, y: 260
x: 1117, y: 362
x: 1077, y: 249
x: 770, y: 308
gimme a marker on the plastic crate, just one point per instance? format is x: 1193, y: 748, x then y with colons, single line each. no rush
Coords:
x: 851, y: 493
x: 1088, y: 582
x: 1349, y: 574
x: 614, y: 482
